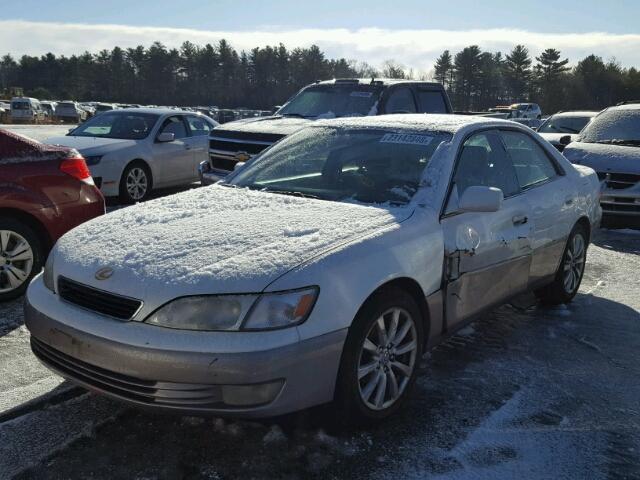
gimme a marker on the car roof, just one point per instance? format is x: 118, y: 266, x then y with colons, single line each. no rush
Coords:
x: 156, y: 111
x: 626, y: 106
x: 577, y: 113
x: 419, y: 122
x: 374, y: 81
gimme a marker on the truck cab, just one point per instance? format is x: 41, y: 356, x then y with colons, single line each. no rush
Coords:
x: 236, y: 142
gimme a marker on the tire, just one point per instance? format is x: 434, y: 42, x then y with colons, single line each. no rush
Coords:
x: 21, y: 257
x: 570, y: 271
x: 357, y: 401
x: 135, y: 175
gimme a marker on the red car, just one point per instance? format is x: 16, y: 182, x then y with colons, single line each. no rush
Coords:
x: 45, y: 191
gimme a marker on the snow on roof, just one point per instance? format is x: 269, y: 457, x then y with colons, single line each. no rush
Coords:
x: 577, y: 113
x: 15, y: 148
x: 218, y: 237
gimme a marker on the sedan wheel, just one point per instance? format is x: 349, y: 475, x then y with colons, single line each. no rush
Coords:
x: 573, y: 263
x: 137, y: 183
x: 16, y: 260
x: 387, y: 359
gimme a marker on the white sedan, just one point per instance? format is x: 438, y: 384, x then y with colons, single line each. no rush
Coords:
x: 320, y: 271
x: 130, y: 152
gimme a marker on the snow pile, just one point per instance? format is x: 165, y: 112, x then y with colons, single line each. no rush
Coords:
x: 16, y: 148
x: 219, y: 233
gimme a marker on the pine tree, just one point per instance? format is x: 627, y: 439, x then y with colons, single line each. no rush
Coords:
x: 517, y: 73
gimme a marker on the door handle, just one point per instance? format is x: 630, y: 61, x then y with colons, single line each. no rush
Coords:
x: 519, y: 219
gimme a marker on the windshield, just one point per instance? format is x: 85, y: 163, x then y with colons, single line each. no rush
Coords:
x: 560, y: 124
x: 352, y: 165
x: 614, y: 126
x: 124, y: 125
x: 330, y: 101
x: 21, y: 105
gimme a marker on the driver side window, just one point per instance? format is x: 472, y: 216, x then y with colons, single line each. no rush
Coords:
x: 176, y: 126
x: 401, y: 101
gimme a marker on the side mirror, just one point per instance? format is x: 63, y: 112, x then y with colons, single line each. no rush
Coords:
x: 481, y: 199
x: 166, y: 137
x: 238, y: 166
x: 565, y: 140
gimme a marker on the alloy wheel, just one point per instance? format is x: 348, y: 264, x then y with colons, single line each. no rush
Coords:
x: 137, y: 183
x: 16, y: 260
x: 387, y: 359
x: 573, y: 263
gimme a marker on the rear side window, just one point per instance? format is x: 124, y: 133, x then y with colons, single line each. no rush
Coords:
x: 431, y: 101
x: 174, y: 125
x: 530, y: 161
x: 401, y: 101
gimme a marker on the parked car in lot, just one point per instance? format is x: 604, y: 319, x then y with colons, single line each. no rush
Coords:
x: 130, y: 152
x: 610, y: 144
x: 49, y: 109
x: 26, y: 110
x: 238, y: 141
x: 45, y: 191
x: 320, y: 271
x: 527, y: 110
x: 69, y: 111
x: 104, y: 107
x: 563, y: 127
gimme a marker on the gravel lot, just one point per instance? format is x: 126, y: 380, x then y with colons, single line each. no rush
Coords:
x: 523, y: 392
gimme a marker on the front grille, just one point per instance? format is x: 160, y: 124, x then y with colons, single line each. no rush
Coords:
x: 99, y: 301
x: 618, y: 181
x: 225, y: 144
x: 233, y: 146
x: 182, y: 395
x: 222, y: 163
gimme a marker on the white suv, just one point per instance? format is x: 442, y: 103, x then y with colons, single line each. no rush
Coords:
x: 527, y: 110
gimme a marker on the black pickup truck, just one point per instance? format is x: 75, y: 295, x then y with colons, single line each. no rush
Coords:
x: 236, y: 142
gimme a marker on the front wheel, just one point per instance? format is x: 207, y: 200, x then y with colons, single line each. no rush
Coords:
x: 381, y: 356
x: 570, y: 271
x: 135, y: 184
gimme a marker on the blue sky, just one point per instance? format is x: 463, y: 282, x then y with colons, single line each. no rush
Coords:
x: 614, y: 16
x: 412, y: 32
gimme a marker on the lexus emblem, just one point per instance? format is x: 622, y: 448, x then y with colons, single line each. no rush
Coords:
x: 104, y: 273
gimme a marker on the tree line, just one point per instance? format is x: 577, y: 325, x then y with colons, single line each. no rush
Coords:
x: 267, y: 76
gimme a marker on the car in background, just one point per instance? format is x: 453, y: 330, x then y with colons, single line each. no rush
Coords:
x: 26, y: 110
x: 133, y: 151
x: 45, y: 192
x: 49, y: 109
x: 527, y: 110
x: 5, y: 112
x: 70, y: 112
x: 237, y: 142
x: 104, y: 107
x: 563, y: 128
x: 610, y: 144
x: 320, y: 271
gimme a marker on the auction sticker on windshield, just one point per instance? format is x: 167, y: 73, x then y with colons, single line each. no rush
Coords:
x: 406, y: 138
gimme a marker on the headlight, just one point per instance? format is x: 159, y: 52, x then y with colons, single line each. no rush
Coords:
x: 237, y: 312
x: 93, y: 159
x: 47, y: 276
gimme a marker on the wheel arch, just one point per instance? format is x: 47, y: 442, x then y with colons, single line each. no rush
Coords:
x: 584, y: 222
x: 32, y: 222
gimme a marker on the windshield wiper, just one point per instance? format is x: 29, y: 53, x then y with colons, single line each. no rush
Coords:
x: 298, y: 115
x: 292, y: 193
x: 619, y: 142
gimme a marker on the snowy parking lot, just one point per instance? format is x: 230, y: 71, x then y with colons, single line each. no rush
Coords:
x: 524, y: 391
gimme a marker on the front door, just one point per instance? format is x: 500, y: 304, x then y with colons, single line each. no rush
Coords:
x: 487, y: 254
x: 173, y: 160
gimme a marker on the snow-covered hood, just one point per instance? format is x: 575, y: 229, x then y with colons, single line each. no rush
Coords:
x: 554, y: 138
x: 604, y: 158
x: 212, y: 240
x: 91, y: 145
x: 275, y: 124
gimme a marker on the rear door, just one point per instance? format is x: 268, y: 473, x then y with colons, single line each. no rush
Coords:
x: 551, y: 196
x: 487, y: 254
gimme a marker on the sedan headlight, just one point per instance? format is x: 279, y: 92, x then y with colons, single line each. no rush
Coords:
x: 236, y: 312
x: 47, y: 275
x: 93, y: 159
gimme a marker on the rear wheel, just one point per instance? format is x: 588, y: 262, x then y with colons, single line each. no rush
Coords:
x: 135, y: 184
x: 380, y: 358
x: 21, y: 257
x: 569, y: 275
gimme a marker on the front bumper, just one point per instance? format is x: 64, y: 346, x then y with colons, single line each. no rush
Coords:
x: 624, y: 202
x: 240, y: 374
x: 208, y: 175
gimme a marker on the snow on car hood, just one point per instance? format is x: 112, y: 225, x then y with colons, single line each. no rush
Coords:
x: 604, y: 158
x: 93, y: 145
x: 212, y: 240
x: 275, y: 124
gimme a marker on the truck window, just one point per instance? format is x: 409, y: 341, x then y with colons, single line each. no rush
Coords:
x: 431, y: 101
x: 401, y: 101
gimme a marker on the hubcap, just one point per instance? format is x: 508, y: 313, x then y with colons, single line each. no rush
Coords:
x: 137, y: 183
x: 387, y: 359
x: 16, y: 260
x: 573, y: 264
